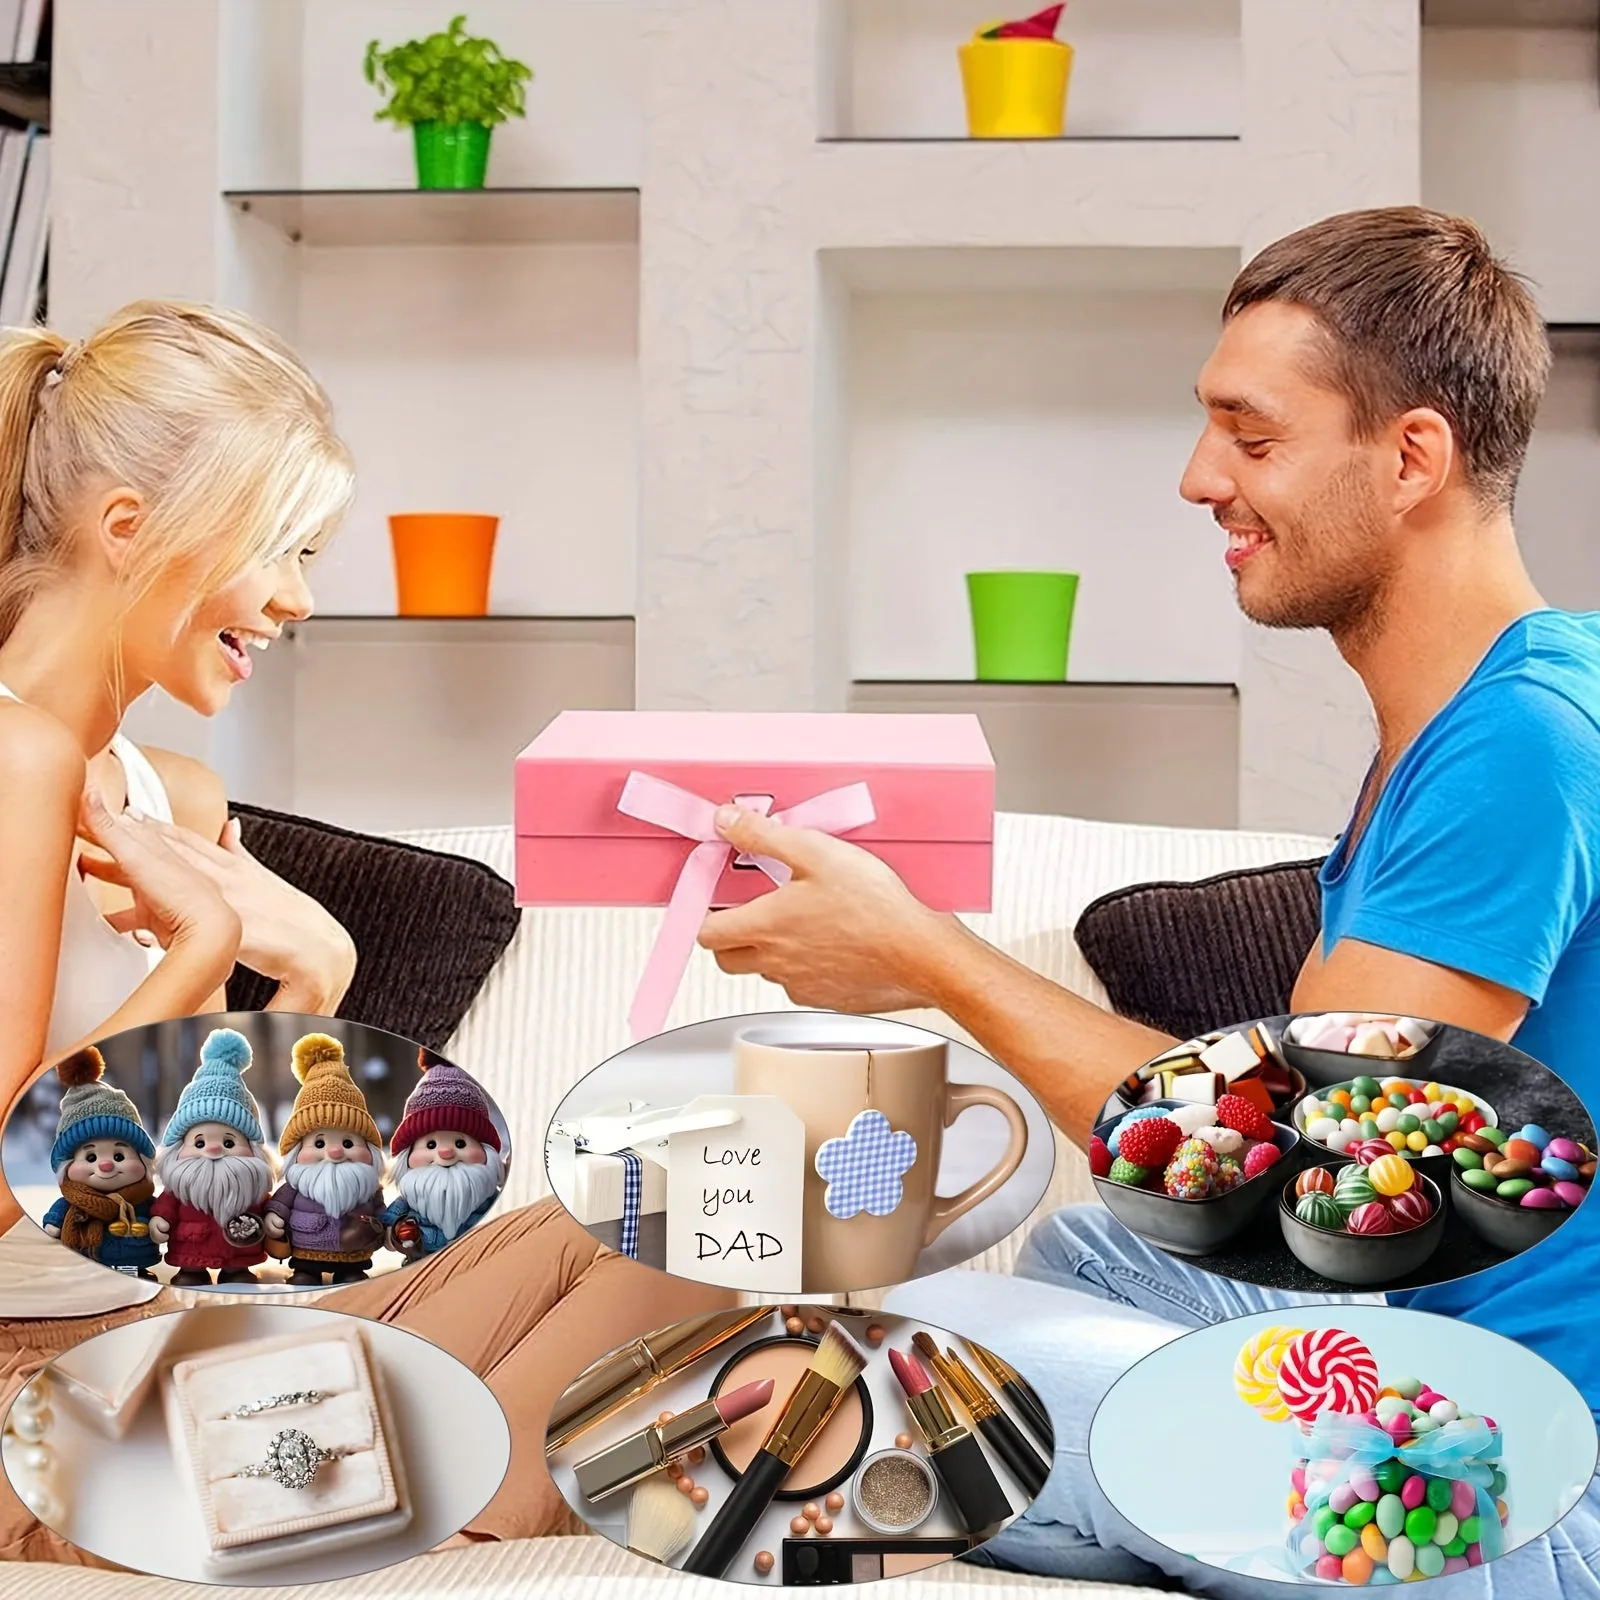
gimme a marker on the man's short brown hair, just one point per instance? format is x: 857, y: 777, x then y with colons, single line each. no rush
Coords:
x: 1417, y: 310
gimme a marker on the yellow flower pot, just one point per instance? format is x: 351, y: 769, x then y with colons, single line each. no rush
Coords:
x: 1016, y: 88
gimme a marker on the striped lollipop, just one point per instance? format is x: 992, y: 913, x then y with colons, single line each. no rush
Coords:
x: 1327, y: 1369
x: 1255, y: 1372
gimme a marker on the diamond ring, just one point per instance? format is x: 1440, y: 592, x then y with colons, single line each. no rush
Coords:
x: 292, y: 1460
x: 296, y: 1397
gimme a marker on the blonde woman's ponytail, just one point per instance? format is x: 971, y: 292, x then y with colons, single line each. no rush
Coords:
x: 27, y: 358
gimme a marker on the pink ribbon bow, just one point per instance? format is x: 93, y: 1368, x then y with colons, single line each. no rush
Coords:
x: 692, y: 816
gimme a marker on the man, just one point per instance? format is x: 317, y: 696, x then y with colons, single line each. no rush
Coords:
x: 1368, y: 408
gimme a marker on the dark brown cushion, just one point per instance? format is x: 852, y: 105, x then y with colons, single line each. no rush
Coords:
x: 1190, y: 957
x: 428, y: 927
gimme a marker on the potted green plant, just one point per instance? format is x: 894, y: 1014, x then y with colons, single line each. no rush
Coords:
x: 453, y: 90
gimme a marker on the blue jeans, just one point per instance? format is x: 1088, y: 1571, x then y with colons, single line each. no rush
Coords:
x: 1089, y: 1299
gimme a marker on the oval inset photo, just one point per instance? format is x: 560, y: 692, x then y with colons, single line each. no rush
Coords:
x: 255, y: 1151
x: 800, y: 1152
x: 1355, y: 1444
x: 1344, y: 1151
x: 799, y: 1445
x: 256, y: 1444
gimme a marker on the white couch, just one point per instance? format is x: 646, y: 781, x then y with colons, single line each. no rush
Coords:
x: 555, y: 1008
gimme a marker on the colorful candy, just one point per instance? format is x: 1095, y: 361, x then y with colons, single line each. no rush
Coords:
x: 1529, y: 1168
x: 1314, y: 1180
x: 1391, y: 1175
x: 1370, y: 1119
x: 1319, y: 1210
x: 1327, y: 1369
x: 1255, y: 1372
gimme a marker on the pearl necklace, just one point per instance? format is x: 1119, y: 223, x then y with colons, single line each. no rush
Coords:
x: 29, y: 1460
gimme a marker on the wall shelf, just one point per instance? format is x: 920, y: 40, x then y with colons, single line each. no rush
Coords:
x: 334, y: 218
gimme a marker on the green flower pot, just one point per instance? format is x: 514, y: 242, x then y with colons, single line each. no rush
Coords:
x: 451, y: 155
x: 1022, y: 624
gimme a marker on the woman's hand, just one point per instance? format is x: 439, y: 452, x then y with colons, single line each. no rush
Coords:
x: 173, y: 903
x: 286, y: 934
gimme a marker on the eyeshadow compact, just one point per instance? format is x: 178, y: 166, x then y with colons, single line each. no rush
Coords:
x: 838, y: 1449
x: 813, y: 1562
x: 894, y: 1491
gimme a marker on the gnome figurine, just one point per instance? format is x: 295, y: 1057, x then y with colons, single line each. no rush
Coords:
x: 324, y: 1217
x: 214, y: 1170
x: 447, y: 1161
x: 102, y: 1159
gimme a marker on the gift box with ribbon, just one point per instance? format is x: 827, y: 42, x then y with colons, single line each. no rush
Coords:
x: 618, y: 807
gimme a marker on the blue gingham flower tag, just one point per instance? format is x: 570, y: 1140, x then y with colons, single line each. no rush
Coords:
x: 864, y: 1169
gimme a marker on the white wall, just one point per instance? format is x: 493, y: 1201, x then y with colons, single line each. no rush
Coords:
x: 495, y: 379
x: 1511, y: 138
x: 1560, y: 487
x: 1140, y: 67
x: 1038, y: 430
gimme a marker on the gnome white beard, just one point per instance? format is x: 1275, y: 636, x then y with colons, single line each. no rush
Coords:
x: 447, y: 1196
x: 224, y: 1186
x: 336, y: 1186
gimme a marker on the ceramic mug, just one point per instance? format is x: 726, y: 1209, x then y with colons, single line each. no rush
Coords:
x: 827, y: 1081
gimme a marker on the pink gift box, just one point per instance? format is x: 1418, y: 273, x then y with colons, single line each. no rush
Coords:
x: 930, y: 779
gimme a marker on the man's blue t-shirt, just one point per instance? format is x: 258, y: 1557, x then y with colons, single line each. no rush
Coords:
x: 1483, y: 854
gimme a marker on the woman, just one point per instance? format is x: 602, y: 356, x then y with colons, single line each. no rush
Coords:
x: 163, y: 485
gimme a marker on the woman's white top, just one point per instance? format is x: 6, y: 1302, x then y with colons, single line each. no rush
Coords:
x: 99, y: 967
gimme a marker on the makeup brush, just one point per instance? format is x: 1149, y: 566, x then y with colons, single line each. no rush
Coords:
x: 953, y: 1453
x: 650, y: 1449
x: 1005, y: 1438
x: 660, y: 1520
x: 834, y: 1368
x: 1029, y: 1406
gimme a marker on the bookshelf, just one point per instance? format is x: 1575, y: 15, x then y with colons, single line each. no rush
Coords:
x: 25, y: 155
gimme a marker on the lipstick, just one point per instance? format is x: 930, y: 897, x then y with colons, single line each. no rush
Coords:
x: 834, y: 1369
x: 1011, y: 1382
x: 623, y: 1464
x: 1024, y: 1463
x: 635, y: 1369
x: 953, y: 1452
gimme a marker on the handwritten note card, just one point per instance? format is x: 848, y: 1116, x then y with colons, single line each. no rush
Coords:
x: 735, y: 1197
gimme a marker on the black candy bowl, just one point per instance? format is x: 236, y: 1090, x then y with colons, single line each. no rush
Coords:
x: 1362, y: 1260
x: 1195, y: 1227
x: 1503, y: 1223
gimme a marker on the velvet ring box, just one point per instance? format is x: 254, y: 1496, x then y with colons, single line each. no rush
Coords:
x: 251, y: 1522
x: 616, y: 808
x: 104, y: 1382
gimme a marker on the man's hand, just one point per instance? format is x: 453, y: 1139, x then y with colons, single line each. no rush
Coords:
x: 844, y: 934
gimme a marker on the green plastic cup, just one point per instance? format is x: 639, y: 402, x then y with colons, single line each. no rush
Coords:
x: 451, y: 155
x: 1022, y: 624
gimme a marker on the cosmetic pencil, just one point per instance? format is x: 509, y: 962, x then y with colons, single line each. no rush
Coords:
x: 1006, y: 1439
x: 953, y: 1452
x: 638, y: 1367
x: 834, y: 1367
x: 623, y: 1464
x: 1011, y: 1383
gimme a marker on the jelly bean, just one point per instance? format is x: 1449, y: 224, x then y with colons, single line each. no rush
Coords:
x: 1497, y: 1479
x: 1514, y: 1188
x: 1448, y: 1121
x: 1468, y: 1530
x: 1439, y: 1491
x: 1535, y: 1135
x: 1455, y: 1564
x: 1446, y: 1528
x: 1431, y: 1092
x: 1507, y: 1167
x: 1398, y: 1428
x: 1364, y: 1484
x: 1392, y: 1406
x: 1430, y: 1560
x: 1296, y: 1507
x: 1388, y: 1119
x: 1571, y: 1194
x: 1373, y: 1542
x: 1543, y: 1200
x: 1419, y: 1526
x: 1407, y: 1123
x: 1427, y: 1396
x: 1360, y: 1103
x: 1554, y: 1167
x: 1322, y: 1519
x: 1397, y: 1099
x: 1493, y: 1135
x: 1481, y: 1180
x: 1356, y: 1568
x: 1330, y: 1567
x: 1467, y: 1160
x: 1319, y: 1128
x: 1366, y: 1084
x: 1423, y: 1424
x: 1340, y: 1541
x: 1402, y: 1557
x: 1563, y: 1150
x: 1463, y: 1497
x: 1410, y: 1388
x: 1298, y: 1479
x: 1342, y: 1498
x: 1474, y: 1555
x: 1395, y: 1140
x: 1456, y: 1547
x: 1391, y: 1515
x: 1418, y: 1141
x: 1413, y: 1492
x: 1360, y: 1514
x: 1391, y: 1475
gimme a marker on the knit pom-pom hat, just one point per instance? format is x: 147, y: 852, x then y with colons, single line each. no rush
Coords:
x: 94, y: 1109
x: 446, y: 1099
x: 216, y: 1093
x: 328, y: 1096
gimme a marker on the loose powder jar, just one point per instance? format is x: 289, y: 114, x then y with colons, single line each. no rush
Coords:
x: 894, y: 1491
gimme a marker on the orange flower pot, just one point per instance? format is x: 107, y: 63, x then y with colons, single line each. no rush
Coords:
x: 442, y: 561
